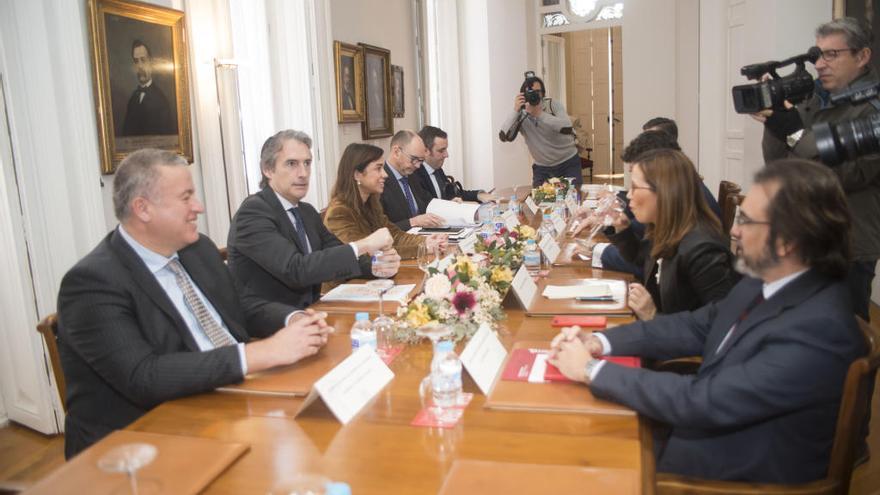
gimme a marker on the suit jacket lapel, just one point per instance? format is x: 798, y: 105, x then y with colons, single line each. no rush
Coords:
x: 399, y: 196
x: 440, y: 175
x: 147, y: 282
x: 282, y: 217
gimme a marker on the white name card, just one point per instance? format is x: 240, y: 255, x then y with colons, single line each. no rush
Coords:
x: 510, y: 220
x: 550, y: 248
x: 483, y: 357
x: 558, y: 222
x: 348, y: 387
x: 530, y: 204
x: 524, y: 288
x: 571, y: 204
x: 468, y: 244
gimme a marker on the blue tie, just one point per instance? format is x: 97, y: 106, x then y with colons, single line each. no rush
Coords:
x: 404, y: 183
x: 300, y: 228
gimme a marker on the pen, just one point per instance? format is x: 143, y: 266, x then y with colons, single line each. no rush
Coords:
x: 594, y: 298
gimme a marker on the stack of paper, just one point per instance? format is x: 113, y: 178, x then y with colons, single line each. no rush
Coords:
x: 365, y: 293
x: 455, y: 214
x: 594, y: 292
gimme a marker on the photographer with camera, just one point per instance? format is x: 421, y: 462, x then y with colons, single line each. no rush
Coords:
x: 844, y: 62
x: 547, y: 130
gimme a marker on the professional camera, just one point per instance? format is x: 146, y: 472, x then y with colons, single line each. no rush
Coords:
x: 849, y: 140
x: 533, y: 97
x: 795, y: 87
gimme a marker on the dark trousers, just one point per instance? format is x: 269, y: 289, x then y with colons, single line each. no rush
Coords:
x: 570, y: 168
x: 859, y: 278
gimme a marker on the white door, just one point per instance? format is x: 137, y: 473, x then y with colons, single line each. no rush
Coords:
x: 25, y: 377
x: 553, y: 70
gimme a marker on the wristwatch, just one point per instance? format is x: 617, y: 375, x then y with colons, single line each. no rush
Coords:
x: 792, y: 139
x: 588, y: 369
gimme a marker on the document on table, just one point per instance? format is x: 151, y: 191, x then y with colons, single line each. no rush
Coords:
x: 458, y: 214
x: 483, y: 357
x: 365, y: 293
x: 348, y: 387
x: 598, y: 291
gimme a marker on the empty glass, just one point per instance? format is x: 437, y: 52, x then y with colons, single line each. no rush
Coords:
x: 426, y: 257
x: 129, y: 458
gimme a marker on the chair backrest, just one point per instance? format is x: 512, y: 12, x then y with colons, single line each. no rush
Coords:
x: 224, y: 253
x: 48, y: 328
x: 727, y: 190
x: 728, y: 211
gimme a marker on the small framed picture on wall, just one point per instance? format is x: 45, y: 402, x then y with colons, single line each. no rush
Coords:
x: 349, y: 82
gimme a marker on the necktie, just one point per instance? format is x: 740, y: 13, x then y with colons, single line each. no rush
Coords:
x: 209, y: 325
x: 404, y: 183
x: 438, y: 184
x: 300, y: 229
x: 755, y: 302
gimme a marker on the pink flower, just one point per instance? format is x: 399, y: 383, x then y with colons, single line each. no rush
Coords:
x: 514, y: 234
x: 464, y: 301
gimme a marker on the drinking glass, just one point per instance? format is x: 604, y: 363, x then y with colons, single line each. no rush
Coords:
x: 381, y: 286
x: 129, y: 458
x: 426, y: 257
x: 435, y: 332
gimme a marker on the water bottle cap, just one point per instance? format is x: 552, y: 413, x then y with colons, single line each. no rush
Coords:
x: 546, y: 216
x: 337, y: 488
x: 530, y: 241
x: 445, y: 346
x: 362, y: 317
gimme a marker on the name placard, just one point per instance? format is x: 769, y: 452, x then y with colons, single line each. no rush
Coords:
x: 348, y: 387
x: 524, y: 288
x: 511, y: 220
x: 550, y: 248
x: 468, y: 244
x: 530, y: 204
x: 483, y: 357
x: 558, y: 222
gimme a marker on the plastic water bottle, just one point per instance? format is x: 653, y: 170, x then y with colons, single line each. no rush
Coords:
x: 532, y: 257
x: 514, y: 205
x: 487, y: 229
x: 445, y: 376
x: 497, y: 219
x: 362, y: 332
x: 559, y: 206
x: 546, y: 227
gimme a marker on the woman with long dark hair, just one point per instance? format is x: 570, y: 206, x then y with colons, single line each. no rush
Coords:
x: 355, y: 208
x: 686, y: 257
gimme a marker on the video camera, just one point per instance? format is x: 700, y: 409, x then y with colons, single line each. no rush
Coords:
x: 795, y: 87
x: 849, y: 140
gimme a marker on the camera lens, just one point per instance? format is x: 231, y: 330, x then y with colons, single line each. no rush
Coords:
x: 848, y: 140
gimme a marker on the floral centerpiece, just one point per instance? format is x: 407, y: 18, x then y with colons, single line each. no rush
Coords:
x: 505, y: 252
x: 549, y: 190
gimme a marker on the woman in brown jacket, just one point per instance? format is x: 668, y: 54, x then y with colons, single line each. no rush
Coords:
x: 354, y: 209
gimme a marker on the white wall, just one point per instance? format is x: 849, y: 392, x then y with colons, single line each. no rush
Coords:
x: 369, y: 21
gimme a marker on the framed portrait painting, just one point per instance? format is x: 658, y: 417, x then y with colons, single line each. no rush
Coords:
x: 141, y: 79
x: 349, y: 82
x: 378, y: 121
x: 397, y: 91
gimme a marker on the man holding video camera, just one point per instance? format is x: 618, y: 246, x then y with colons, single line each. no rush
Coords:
x: 547, y: 129
x: 843, y: 63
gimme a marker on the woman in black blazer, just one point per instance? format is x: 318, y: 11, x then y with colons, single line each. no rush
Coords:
x: 686, y: 257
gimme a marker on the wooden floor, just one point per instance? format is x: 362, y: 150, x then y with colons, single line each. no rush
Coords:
x: 26, y: 456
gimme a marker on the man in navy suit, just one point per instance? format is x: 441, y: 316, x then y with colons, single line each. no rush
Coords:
x: 148, y: 111
x: 763, y: 405
x: 152, y: 313
x: 431, y: 176
x: 404, y: 200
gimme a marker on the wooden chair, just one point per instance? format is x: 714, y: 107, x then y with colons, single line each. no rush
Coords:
x: 725, y: 190
x: 48, y: 328
x: 854, y: 406
x: 587, y: 163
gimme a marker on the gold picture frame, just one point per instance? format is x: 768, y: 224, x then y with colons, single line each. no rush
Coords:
x: 397, y: 91
x: 349, y: 82
x: 141, y: 79
x: 378, y: 121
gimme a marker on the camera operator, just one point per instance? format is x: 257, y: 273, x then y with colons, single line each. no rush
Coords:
x: 548, y: 133
x: 846, y: 53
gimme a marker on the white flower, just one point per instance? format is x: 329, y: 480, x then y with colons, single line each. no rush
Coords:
x: 438, y: 286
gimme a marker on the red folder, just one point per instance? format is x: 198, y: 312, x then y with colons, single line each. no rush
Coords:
x: 581, y: 321
x: 521, y: 361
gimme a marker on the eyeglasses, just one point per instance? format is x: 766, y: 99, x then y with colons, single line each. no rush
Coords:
x: 830, y: 55
x: 415, y: 160
x: 741, y: 219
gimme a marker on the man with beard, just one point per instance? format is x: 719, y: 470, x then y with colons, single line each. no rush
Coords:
x: 775, y: 351
x: 148, y: 111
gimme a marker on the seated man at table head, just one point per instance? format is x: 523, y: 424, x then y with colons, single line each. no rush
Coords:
x: 403, y: 199
x: 431, y: 176
x: 354, y: 208
x: 763, y: 405
x: 152, y: 313
x: 278, y: 246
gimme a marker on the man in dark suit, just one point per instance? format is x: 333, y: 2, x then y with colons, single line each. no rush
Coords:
x: 431, y: 176
x: 403, y: 199
x: 152, y: 314
x: 278, y: 246
x: 148, y: 111
x: 763, y: 405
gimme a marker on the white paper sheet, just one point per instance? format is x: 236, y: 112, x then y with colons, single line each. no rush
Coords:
x: 573, y: 291
x: 364, y: 293
x: 455, y: 214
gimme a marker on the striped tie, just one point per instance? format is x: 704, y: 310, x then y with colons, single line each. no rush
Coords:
x: 212, y: 329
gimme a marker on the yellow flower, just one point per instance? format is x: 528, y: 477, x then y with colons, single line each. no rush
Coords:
x: 418, y: 315
x: 501, y: 274
x: 548, y: 188
x: 526, y: 231
x: 465, y: 265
